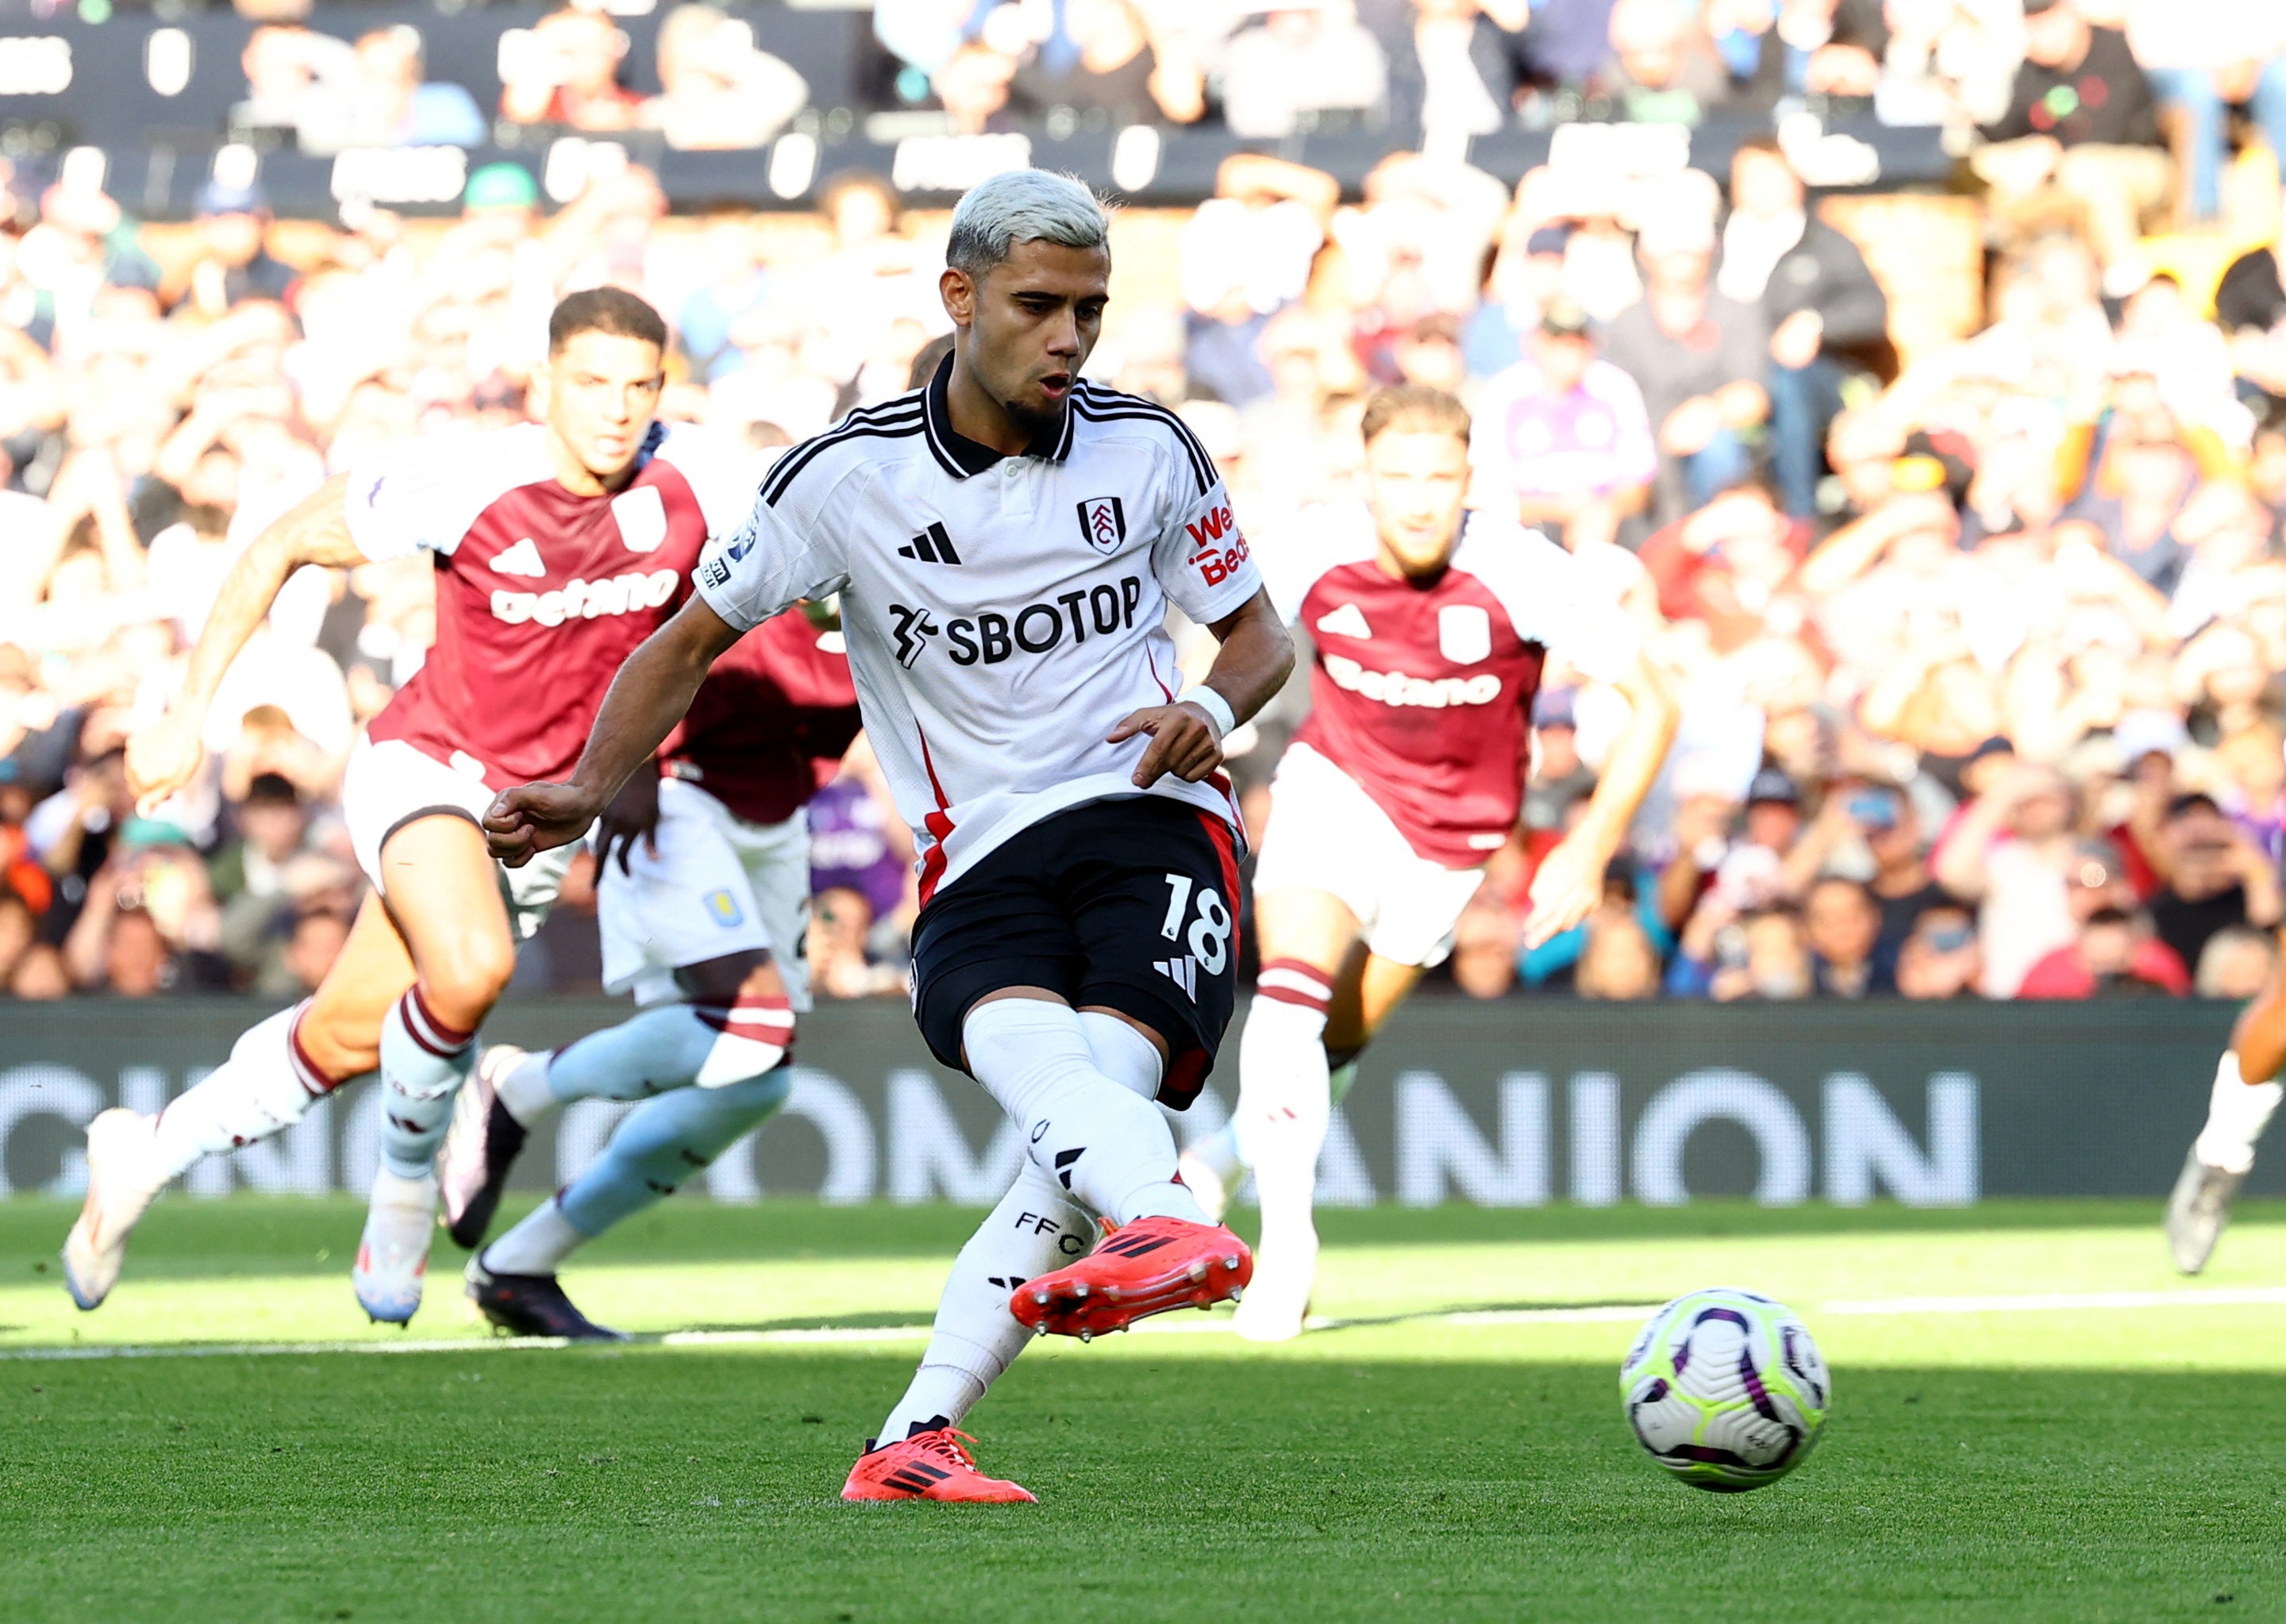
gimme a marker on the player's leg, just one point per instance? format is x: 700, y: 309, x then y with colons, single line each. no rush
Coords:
x: 278, y: 1068
x: 694, y: 922
x: 444, y: 892
x: 661, y: 1143
x: 2245, y: 1094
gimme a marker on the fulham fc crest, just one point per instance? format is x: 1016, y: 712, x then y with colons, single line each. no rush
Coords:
x: 1104, y: 523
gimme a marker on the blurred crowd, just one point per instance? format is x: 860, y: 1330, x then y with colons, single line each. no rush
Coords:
x: 1451, y: 68
x: 1979, y: 619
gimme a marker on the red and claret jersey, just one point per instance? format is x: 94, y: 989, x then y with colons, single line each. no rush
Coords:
x: 541, y: 592
x: 1421, y: 690
x: 771, y: 722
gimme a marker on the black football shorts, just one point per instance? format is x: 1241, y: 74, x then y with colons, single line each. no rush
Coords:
x: 1129, y: 904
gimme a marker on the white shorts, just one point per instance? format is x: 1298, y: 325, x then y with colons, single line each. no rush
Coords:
x: 1326, y: 834
x: 389, y: 784
x: 710, y: 884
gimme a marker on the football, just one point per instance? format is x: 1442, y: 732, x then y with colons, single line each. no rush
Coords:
x: 1725, y: 1389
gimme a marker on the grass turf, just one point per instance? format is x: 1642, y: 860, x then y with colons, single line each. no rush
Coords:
x: 2063, y: 1462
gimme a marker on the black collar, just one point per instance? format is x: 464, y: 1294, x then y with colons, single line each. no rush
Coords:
x: 962, y: 456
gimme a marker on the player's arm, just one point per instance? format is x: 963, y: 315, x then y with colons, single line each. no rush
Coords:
x: 167, y: 755
x: 649, y: 695
x: 1570, y: 879
x: 1255, y: 658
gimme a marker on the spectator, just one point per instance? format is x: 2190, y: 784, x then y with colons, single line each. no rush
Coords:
x: 1565, y: 437
x: 1830, y: 49
x: 394, y: 106
x: 1114, y: 66
x: 1766, y: 960
x: 1245, y: 254
x: 720, y: 91
x: 2014, y: 854
x: 233, y: 262
x: 1697, y: 355
x: 566, y: 71
x: 1662, y: 70
x: 2081, y: 120
x: 1619, y: 960
x: 2202, y: 56
x: 2236, y: 964
x: 1941, y: 958
x: 1827, y: 317
x: 2215, y: 877
x: 1306, y: 57
x: 2112, y: 955
x: 1842, y: 925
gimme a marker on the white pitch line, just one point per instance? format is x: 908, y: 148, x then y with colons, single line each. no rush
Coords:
x: 2063, y: 1302
x: 2060, y: 1302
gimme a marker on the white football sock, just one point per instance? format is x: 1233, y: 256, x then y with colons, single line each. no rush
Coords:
x: 263, y: 1088
x: 537, y: 1245
x: 1122, y: 1053
x: 671, y: 1046
x: 1037, y: 1227
x: 1106, y: 1144
x: 1284, y: 1101
x: 523, y: 1091
x: 2237, y: 1111
x: 423, y: 1062
x: 1220, y: 1150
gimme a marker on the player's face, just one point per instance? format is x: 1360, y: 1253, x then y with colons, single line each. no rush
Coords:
x: 602, y: 393
x: 1032, y: 321
x: 1415, y: 481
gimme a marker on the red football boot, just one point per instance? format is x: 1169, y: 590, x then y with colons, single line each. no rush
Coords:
x: 1146, y: 1267
x: 929, y: 1466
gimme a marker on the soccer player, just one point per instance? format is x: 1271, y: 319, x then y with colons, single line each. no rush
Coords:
x: 2245, y: 1095
x: 1004, y: 542
x: 559, y: 546
x: 1430, y: 638
x: 702, y: 893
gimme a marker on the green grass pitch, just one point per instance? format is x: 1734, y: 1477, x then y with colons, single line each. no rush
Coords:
x: 2033, y: 1419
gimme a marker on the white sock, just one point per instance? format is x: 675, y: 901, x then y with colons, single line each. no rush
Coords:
x: 1284, y: 1100
x: 1122, y: 1053
x: 523, y: 1091
x: 263, y: 1088
x: 667, y: 1047
x: 1037, y: 1227
x: 1098, y: 1140
x: 2237, y: 1111
x: 538, y: 1245
x: 423, y: 1062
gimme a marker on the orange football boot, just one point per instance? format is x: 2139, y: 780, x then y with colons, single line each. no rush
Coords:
x: 929, y: 1466
x: 1145, y: 1267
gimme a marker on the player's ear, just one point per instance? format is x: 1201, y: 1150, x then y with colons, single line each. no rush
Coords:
x: 536, y: 393
x: 959, y: 295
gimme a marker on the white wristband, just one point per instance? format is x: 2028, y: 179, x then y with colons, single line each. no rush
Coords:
x: 1215, y: 706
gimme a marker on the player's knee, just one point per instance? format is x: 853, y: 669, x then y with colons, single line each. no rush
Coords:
x: 466, y: 978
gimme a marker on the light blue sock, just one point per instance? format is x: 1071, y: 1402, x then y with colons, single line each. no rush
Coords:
x: 661, y: 1143
x: 673, y: 1046
x: 423, y: 1062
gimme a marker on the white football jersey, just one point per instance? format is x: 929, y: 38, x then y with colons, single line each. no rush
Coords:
x: 1003, y: 613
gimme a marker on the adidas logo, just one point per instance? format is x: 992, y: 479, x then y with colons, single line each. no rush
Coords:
x: 1183, y: 972
x: 1347, y: 622
x: 521, y: 559
x: 932, y: 545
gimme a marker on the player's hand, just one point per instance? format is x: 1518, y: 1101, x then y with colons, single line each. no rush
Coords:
x: 1183, y: 742
x: 632, y: 816
x: 1564, y: 890
x: 162, y: 758
x: 532, y: 818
